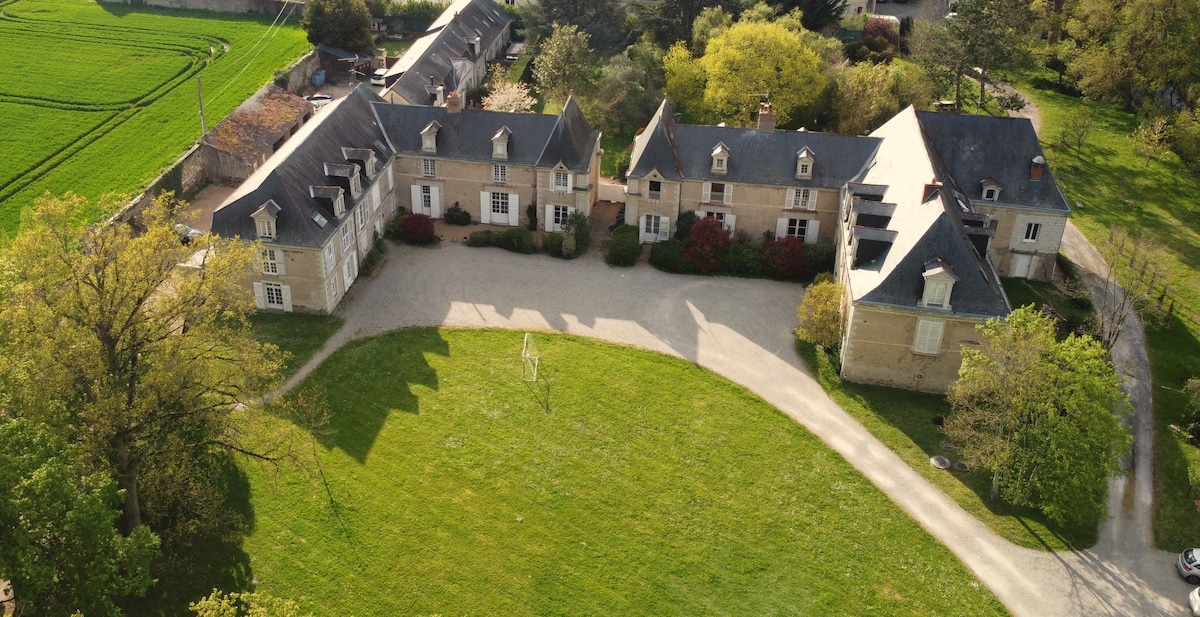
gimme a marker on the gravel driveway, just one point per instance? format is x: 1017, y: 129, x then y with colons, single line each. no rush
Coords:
x: 742, y: 330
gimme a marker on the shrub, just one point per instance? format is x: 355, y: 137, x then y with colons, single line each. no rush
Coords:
x: 516, y: 239
x: 707, y: 240
x: 785, y: 259
x: 624, y: 248
x: 823, y: 277
x: 554, y: 243
x: 578, y: 225
x: 531, y: 212
x: 481, y: 238
x: 820, y: 256
x: 668, y: 257
x: 393, y: 226
x: 883, y: 29
x: 417, y: 229
x: 455, y: 215
x: 820, y: 315
x: 374, y: 257
x: 741, y: 260
x: 683, y: 227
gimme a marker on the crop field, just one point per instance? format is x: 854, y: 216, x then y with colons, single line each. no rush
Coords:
x: 99, y: 99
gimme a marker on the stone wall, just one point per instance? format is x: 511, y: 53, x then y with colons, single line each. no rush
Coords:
x: 185, y: 177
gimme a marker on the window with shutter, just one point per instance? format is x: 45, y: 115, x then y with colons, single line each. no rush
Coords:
x: 929, y: 337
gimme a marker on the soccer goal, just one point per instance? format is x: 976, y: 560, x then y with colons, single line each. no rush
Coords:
x: 529, y: 359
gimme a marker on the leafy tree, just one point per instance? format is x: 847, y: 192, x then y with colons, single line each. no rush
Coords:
x: 1043, y: 416
x: 752, y: 59
x: 707, y: 240
x: 820, y: 315
x: 602, y: 20
x: 145, y: 364
x: 508, y: 96
x: 684, y: 81
x: 869, y: 94
x: 995, y: 34
x: 817, y: 14
x: 619, y: 97
x: 670, y: 21
x: 565, y: 63
x: 711, y: 22
x: 245, y: 604
x: 62, y: 551
x: 340, y: 23
x: 1150, y: 138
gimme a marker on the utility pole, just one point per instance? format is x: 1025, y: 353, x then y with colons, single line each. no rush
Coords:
x: 200, y: 92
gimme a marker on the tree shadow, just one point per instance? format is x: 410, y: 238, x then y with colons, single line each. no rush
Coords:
x: 1172, y: 362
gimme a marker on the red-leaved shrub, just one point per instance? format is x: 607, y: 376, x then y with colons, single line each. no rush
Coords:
x: 417, y: 229
x: 884, y: 29
x: 705, y: 243
x: 785, y: 259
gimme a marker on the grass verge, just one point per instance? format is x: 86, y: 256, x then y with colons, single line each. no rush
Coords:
x: 633, y: 484
x: 296, y: 334
x: 906, y: 422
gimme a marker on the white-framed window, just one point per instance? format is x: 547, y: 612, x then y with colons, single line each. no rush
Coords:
x: 500, y: 174
x: 339, y: 205
x: 332, y: 288
x: 560, y: 216
x: 796, y: 228
x: 717, y: 192
x: 562, y: 181
x: 499, y: 204
x: 719, y: 163
x: 370, y: 166
x: 935, y: 294
x: 720, y: 216
x: 349, y: 271
x: 375, y: 198
x: 929, y: 337
x: 653, y: 225
x: 426, y: 197
x: 991, y: 193
x: 801, y: 199
x: 355, y: 183
x: 328, y: 259
x: 655, y: 191
x: 429, y: 168
x: 273, y: 293
x: 270, y: 259
x: 805, y: 169
x: 359, y: 220
x: 347, y: 238
x: 1031, y: 232
x: 265, y: 228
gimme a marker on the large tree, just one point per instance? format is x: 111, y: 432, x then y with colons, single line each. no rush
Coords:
x: 986, y: 34
x: 602, y: 20
x: 340, y: 23
x: 1042, y: 416
x: 870, y: 94
x: 146, y: 364
x: 62, y: 552
x: 817, y: 15
x: 565, y: 63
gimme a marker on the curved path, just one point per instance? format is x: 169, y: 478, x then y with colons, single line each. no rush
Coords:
x: 742, y: 330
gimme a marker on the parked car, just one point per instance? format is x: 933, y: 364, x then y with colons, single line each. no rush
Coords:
x: 319, y: 100
x: 1194, y: 601
x: 377, y: 78
x: 187, y: 234
x: 1188, y: 565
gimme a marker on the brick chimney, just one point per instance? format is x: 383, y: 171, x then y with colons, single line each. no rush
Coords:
x: 766, y: 118
x: 454, y: 102
x: 1037, y: 167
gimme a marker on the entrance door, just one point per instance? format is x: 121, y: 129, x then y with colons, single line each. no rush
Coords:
x: 1022, y: 267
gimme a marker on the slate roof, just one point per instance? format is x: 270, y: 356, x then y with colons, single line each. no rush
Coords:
x: 684, y: 151
x: 432, y: 58
x: 537, y: 140
x: 288, y: 175
x: 254, y: 127
x: 971, y: 149
x: 926, y: 225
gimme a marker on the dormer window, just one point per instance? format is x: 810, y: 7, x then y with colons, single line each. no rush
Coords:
x: 429, y: 137
x: 720, y: 159
x: 339, y: 205
x: 804, y: 164
x: 265, y: 228
x: 355, y: 183
x: 500, y: 143
x: 370, y: 163
x: 264, y: 220
x: 939, y: 283
x: 991, y: 190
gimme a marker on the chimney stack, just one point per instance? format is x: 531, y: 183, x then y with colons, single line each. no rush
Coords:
x: 1037, y: 168
x: 766, y: 118
x: 454, y: 102
x: 931, y: 189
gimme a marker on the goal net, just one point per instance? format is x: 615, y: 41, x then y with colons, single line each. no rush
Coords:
x: 529, y: 359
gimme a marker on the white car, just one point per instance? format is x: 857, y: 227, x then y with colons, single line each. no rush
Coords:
x: 377, y: 78
x: 1194, y: 601
x: 1188, y: 565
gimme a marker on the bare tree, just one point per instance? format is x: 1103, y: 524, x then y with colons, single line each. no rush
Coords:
x: 1134, y: 270
x: 1151, y: 138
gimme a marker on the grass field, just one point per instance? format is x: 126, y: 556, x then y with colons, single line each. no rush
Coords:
x: 636, y: 484
x: 109, y: 99
x: 298, y: 335
x: 1117, y: 187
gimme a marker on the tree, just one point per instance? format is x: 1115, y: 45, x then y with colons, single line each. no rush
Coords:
x: 618, y: 99
x: 1043, y: 416
x: 145, y: 364
x: 752, y: 59
x: 508, y: 96
x: 245, y: 604
x: 684, y: 81
x: 602, y: 20
x: 820, y: 315
x: 870, y: 94
x: 817, y: 14
x: 62, y: 551
x: 712, y: 21
x: 1150, y: 138
x: 339, y: 23
x: 564, y: 63
x: 1133, y: 272
x: 994, y: 33
x: 707, y: 240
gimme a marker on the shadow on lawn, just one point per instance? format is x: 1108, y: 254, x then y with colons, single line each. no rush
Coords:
x: 375, y: 377
x: 1173, y: 353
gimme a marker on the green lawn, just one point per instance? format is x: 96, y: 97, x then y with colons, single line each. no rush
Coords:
x: 129, y: 72
x: 1115, y: 186
x: 636, y: 484
x: 297, y: 334
x: 1075, y: 309
x: 906, y: 422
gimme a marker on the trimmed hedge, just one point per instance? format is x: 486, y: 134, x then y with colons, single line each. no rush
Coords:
x: 668, y: 257
x: 517, y: 239
x: 554, y: 242
x: 820, y: 256
x: 625, y: 247
x: 742, y: 260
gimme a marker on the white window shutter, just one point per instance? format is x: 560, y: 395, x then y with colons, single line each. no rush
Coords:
x: 485, y: 207
x: 514, y: 209
x: 789, y: 201
x: 287, y: 298
x: 260, y: 296
x: 810, y: 232
x: 435, y: 198
x: 664, y: 229
x: 730, y: 219
x: 781, y: 226
x: 728, y: 194
x: 416, y: 199
x: 570, y: 181
x: 812, y: 200
x: 642, y: 236
x: 280, y: 262
x: 706, y: 192
x: 550, y: 226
